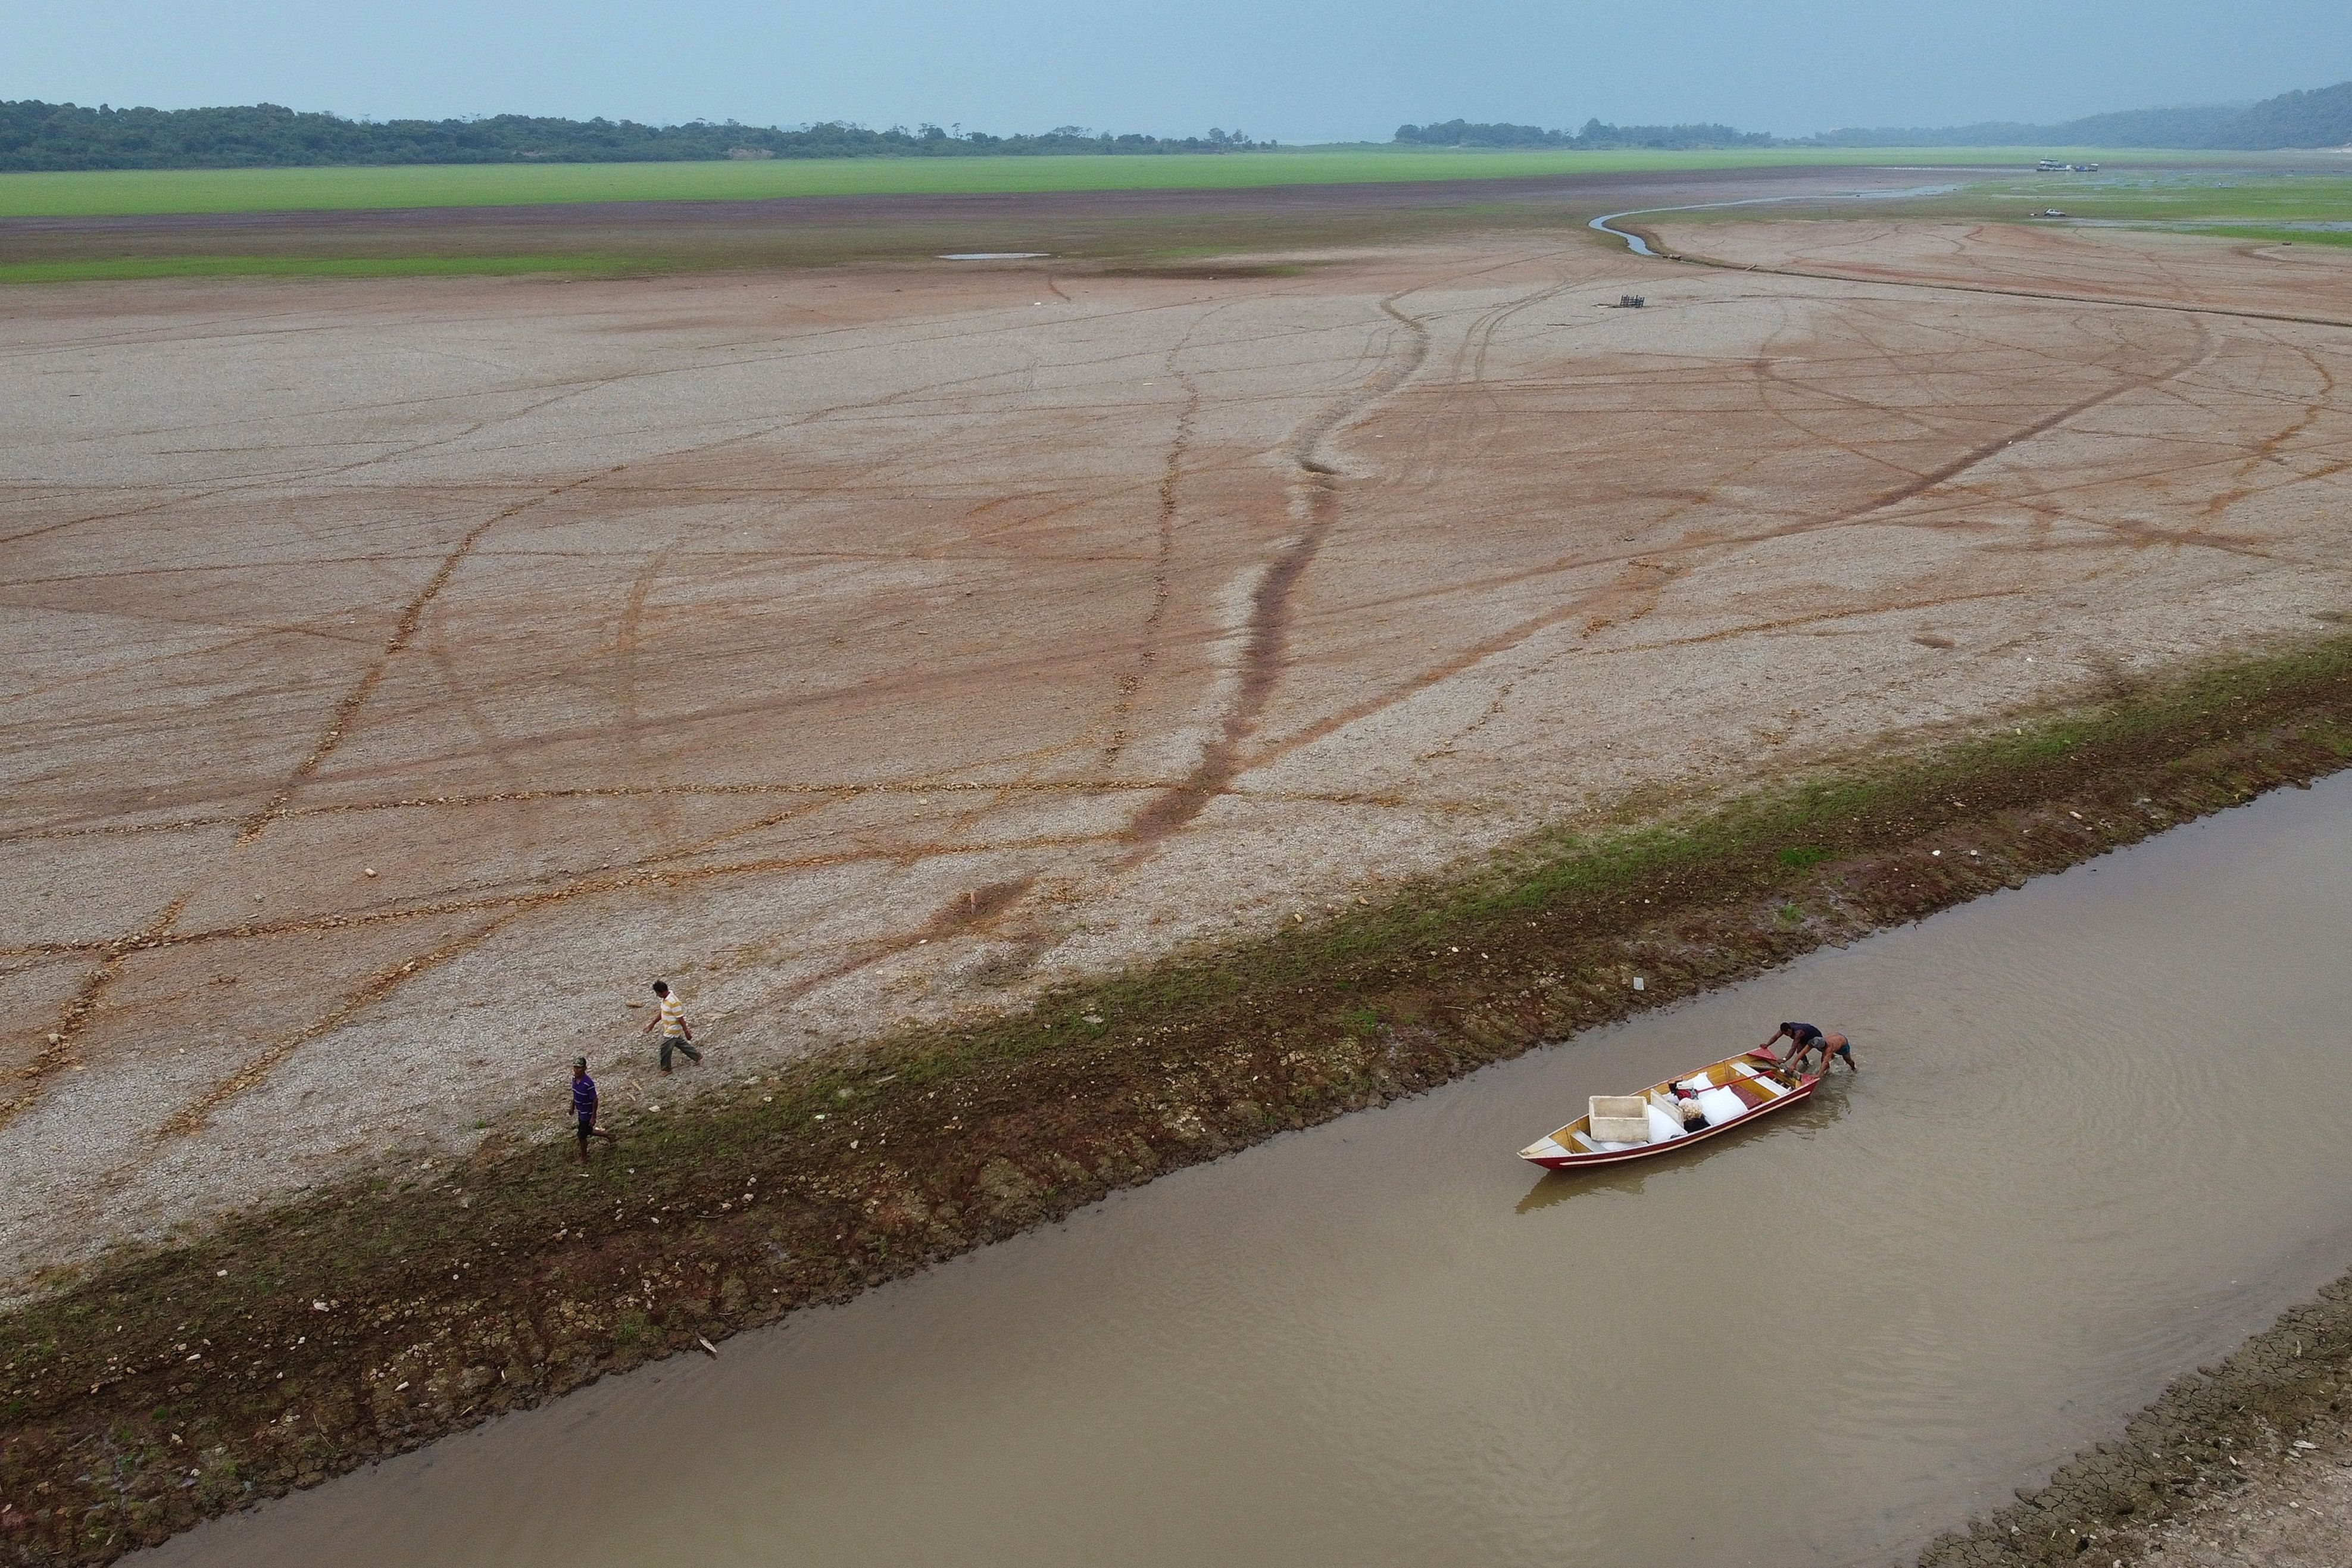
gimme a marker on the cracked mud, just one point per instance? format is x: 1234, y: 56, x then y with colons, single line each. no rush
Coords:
x: 401, y: 674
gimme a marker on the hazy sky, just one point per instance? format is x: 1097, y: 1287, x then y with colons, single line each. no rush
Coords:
x: 1294, y: 70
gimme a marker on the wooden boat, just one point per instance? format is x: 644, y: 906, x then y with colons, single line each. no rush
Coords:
x: 1734, y: 1092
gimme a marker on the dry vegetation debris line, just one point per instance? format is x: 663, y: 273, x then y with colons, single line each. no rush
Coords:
x: 173, y: 1384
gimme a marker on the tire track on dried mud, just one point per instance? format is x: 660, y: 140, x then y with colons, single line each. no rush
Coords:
x: 1638, y: 589
x: 1264, y: 654
x: 1869, y: 279
x: 1265, y: 634
x: 403, y: 632
x: 1129, y: 684
x: 57, y: 1053
x: 1162, y: 567
x: 627, y: 635
x: 1470, y: 418
x: 721, y: 790
x: 1916, y: 484
x: 88, y: 997
x: 1766, y: 370
x: 192, y: 1116
x: 2242, y: 485
x: 2202, y: 350
x: 963, y: 912
x: 315, y: 476
x: 1304, y: 447
x: 1164, y: 560
x: 1474, y: 433
x: 972, y: 911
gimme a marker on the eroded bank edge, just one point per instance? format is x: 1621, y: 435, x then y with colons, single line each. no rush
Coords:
x: 168, y: 1385
x: 2216, y: 1434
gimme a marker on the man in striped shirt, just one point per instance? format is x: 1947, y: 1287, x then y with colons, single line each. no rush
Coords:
x: 671, y: 1021
x: 583, y: 1107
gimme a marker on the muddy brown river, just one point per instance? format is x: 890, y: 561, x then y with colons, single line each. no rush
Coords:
x: 2103, y: 1130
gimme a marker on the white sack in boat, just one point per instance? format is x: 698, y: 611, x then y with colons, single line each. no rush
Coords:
x: 1720, y: 1105
x: 1664, y: 1126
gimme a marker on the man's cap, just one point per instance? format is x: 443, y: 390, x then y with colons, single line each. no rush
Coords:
x: 579, y: 1062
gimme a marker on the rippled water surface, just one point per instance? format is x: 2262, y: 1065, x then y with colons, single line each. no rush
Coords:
x: 2102, y: 1132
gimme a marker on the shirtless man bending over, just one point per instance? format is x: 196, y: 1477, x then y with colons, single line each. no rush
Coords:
x: 1803, y: 1039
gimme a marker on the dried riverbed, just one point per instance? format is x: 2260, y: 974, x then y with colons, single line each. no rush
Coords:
x: 408, y: 672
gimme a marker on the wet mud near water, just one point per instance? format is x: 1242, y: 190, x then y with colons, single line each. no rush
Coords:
x: 2227, y: 1465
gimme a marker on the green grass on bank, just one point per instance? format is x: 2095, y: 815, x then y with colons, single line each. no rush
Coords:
x: 2341, y: 237
x: 2303, y: 206
x: 2249, y: 200
x: 2306, y: 205
x: 130, y: 269
x: 2183, y: 195
x: 156, y: 192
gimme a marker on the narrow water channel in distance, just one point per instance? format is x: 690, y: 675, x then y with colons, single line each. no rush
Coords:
x: 2104, y: 1130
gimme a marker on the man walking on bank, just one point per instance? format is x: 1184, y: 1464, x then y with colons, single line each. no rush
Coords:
x: 671, y: 1022
x: 583, y: 1107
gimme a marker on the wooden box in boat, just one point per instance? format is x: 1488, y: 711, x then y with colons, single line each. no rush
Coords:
x: 1756, y: 1079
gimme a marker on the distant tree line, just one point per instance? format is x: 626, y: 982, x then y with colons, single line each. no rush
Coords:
x: 36, y: 135
x: 2317, y: 119
x: 1595, y: 135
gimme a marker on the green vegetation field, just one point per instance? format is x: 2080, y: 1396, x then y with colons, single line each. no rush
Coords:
x: 2241, y: 196
x: 2300, y: 207
x: 132, y: 269
x: 133, y: 192
x: 2157, y: 197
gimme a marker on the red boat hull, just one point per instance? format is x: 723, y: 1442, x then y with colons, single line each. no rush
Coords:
x: 1572, y: 1161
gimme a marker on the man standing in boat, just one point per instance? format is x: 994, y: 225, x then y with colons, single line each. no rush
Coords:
x: 1803, y: 1039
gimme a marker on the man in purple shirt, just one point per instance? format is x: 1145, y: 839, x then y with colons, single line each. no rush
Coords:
x: 583, y: 1106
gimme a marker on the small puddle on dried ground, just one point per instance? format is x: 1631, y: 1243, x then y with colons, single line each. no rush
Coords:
x: 2101, y: 1133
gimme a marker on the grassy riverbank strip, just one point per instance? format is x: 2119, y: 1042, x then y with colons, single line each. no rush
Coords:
x: 166, y: 1385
